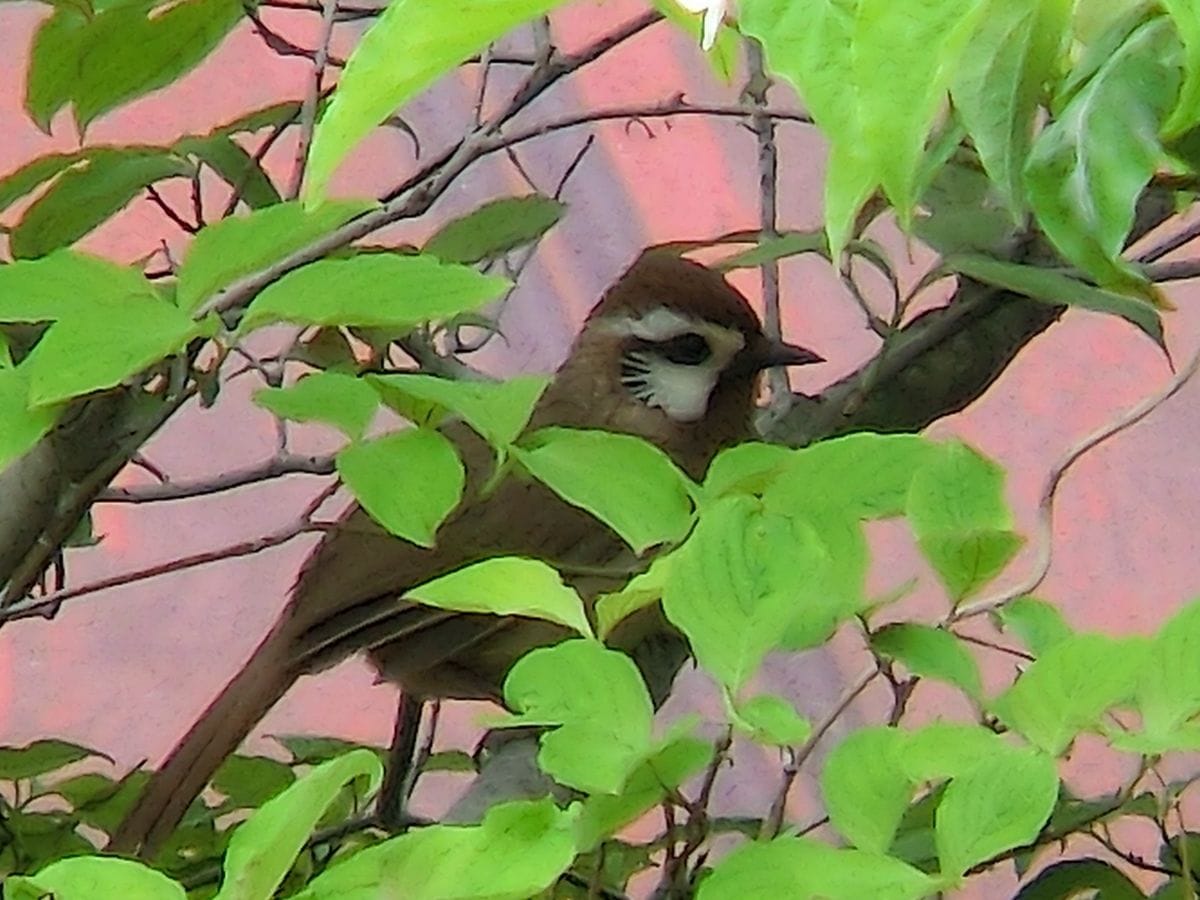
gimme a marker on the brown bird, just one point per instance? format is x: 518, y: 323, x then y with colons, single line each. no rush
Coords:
x: 671, y: 353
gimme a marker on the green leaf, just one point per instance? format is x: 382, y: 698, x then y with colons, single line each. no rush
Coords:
x: 235, y: 166
x: 410, y: 45
x: 1056, y: 289
x: 89, y: 63
x: 1069, y: 688
x: 800, y: 867
x: 107, y: 810
x: 252, y: 780
x: 736, y: 585
x: 1080, y: 877
x: 344, y: 401
x: 383, y: 290
x: 772, y: 720
x: 746, y: 468
x: 1087, y: 168
x: 308, y: 750
x: 99, y: 348
x: 408, y: 481
x: 964, y: 213
x: 32, y: 175
x: 495, y: 228
x: 638, y: 593
x: 1000, y: 803
x: 947, y: 750
x: 1186, y: 113
x: 65, y: 284
x: 39, y: 757
x: 904, y: 57
x: 865, y: 787
x: 1037, y: 623
x: 597, y: 698
x: 930, y: 653
x: 665, y: 770
x: 507, y: 586
x: 963, y: 526
x: 519, y: 851
x: 628, y: 484
x: 87, y: 195
x: 263, y: 849
x: 775, y: 247
x: 497, y: 411
x: 1168, y: 692
x: 1000, y: 80
x: 20, y: 427
x: 450, y: 761
x: 89, y: 877
x: 232, y: 248
x: 83, y: 789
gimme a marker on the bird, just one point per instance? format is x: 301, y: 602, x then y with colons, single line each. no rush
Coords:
x: 671, y: 353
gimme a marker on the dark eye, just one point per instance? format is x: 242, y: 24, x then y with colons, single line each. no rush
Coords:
x: 686, y: 350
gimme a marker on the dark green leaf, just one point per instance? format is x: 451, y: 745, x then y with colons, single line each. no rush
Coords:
x: 251, y: 780
x: 1057, y: 289
x: 602, y: 707
x: 625, y: 482
x: 344, y: 401
x: 408, y: 481
x: 40, y: 757
x: 494, y: 229
x: 1077, y: 877
x: 237, y: 167
x: 84, y: 789
x: 449, y: 761
x: 32, y: 175
x: 963, y: 213
x: 20, y: 427
x: 51, y: 78
x: 108, y: 810
x: 507, y: 586
x: 313, y: 750
x: 777, y: 247
x: 383, y: 290
x: 87, y: 195
x: 931, y: 653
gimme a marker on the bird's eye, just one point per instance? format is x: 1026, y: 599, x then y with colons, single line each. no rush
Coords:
x: 686, y: 349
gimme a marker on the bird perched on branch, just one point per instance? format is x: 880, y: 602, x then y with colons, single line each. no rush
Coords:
x: 671, y: 353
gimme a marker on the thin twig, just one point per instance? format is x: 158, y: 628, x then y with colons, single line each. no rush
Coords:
x: 256, y: 159
x: 1045, y: 516
x: 255, y: 474
x: 1011, y: 651
x: 281, y: 46
x: 1182, y: 270
x: 485, y: 67
x: 169, y: 211
x: 308, y: 112
x: 1171, y: 243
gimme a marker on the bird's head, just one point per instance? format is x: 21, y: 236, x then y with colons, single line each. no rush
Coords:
x: 671, y: 353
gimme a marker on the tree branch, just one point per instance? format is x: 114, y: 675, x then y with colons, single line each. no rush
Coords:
x: 236, y: 478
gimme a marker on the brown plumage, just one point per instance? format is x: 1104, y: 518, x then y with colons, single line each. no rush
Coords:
x: 345, y: 599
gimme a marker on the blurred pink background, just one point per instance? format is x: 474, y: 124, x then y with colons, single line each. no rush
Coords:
x: 127, y: 671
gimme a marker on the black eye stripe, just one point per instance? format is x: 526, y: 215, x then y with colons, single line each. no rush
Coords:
x: 689, y: 349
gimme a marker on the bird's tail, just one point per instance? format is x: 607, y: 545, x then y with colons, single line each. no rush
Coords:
x: 215, y: 735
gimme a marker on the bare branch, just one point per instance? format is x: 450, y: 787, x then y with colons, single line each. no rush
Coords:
x: 169, y: 211
x: 1045, y: 522
x: 236, y: 478
x: 308, y: 112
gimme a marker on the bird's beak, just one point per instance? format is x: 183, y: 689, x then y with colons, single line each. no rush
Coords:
x: 777, y: 353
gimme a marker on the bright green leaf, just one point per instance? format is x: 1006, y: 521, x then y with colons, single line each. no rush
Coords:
x: 497, y: 411
x: 344, y: 401
x: 772, y: 720
x: 602, y: 815
x: 1186, y: 113
x: 1000, y: 803
x: 495, y: 228
x: 797, y: 867
x: 597, y: 698
x: 942, y: 750
x: 865, y: 787
x: 737, y: 583
x: 89, y: 877
x: 227, y: 250
x: 1057, y: 288
x: 1168, y: 692
x: 638, y: 593
x: 66, y: 284
x: 408, y: 481
x: 1069, y: 688
x: 1088, y: 167
x: 1000, y: 80
x: 745, y: 468
x: 263, y: 848
x: 407, y: 48
x: 931, y: 653
x: 382, y: 290
x: 507, y: 586
x: 625, y: 482
x: 519, y: 850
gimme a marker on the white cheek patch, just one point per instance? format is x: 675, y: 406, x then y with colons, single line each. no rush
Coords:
x: 681, y: 391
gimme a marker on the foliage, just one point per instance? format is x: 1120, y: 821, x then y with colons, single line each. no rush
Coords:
x: 1063, y: 117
